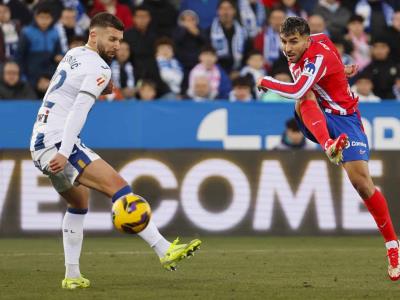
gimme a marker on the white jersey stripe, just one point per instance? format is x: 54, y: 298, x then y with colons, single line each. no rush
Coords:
x: 306, y: 86
x: 329, y: 100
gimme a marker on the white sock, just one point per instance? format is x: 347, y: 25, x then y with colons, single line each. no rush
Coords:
x: 392, y: 244
x: 154, y: 238
x: 72, y: 228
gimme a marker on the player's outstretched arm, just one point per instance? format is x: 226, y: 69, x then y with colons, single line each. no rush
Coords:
x: 312, y: 72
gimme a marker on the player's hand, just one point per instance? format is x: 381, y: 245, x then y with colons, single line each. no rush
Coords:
x: 57, y: 163
x: 259, y: 85
x: 108, y: 89
x: 351, y: 70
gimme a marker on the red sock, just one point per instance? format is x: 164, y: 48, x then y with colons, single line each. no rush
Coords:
x: 377, y: 206
x: 315, y: 121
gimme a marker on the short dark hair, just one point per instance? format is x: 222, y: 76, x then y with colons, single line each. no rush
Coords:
x: 381, y: 39
x: 231, y: 2
x: 148, y: 82
x: 164, y: 41
x: 142, y: 7
x: 292, y: 124
x: 209, y: 49
x: 356, y: 18
x: 43, y: 9
x: 242, y: 81
x: 105, y: 19
x: 293, y: 25
x: 254, y: 52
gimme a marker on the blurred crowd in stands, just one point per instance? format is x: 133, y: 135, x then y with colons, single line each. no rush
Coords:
x: 202, y: 50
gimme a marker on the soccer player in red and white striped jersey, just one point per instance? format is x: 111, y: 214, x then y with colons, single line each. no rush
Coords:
x: 327, y: 113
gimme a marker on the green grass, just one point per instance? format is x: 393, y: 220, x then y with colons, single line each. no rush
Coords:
x: 225, y: 268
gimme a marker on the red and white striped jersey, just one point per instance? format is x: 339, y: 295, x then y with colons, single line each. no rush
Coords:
x: 321, y: 70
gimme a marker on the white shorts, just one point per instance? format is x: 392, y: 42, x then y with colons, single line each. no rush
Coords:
x: 80, y: 157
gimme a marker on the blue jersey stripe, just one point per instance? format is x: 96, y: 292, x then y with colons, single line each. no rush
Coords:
x: 39, y: 142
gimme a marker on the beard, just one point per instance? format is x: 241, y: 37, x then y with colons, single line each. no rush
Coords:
x: 103, y: 54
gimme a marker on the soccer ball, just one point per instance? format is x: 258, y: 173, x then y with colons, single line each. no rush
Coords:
x: 131, y: 214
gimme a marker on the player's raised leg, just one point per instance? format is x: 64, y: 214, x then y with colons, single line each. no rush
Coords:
x: 314, y: 119
x: 374, y: 200
x: 100, y: 176
x: 72, y: 228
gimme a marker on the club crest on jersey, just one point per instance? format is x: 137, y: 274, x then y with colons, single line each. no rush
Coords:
x: 309, y: 69
x: 100, y: 80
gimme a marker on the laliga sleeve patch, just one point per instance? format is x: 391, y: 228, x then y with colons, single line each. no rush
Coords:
x: 309, y: 69
x: 100, y: 80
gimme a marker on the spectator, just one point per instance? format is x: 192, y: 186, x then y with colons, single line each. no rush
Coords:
x: 359, y: 39
x: 122, y: 11
x: 11, y: 86
x: 268, y: 41
x: 39, y: 47
x: 20, y: 11
x: 10, y: 32
x: 164, y: 16
x: 169, y: 67
x: 382, y: 69
x: 344, y: 48
x: 82, y: 19
x: 228, y: 37
x: 201, y: 90
x: 317, y: 25
x: 293, y: 9
x: 219, y: 80
x: 273, y: 97
x: 252, y: 16
x: 146, y: 90
x: 42, y: 85
x: 190, y: 39
x: 206, y: 10
x: 141, y: 40
x: 394, y: 37
x: 122, y: 72
x: 54, y: 6
x: 363, y: 88
x: 293, y: 138
x: 241, y: 90
x: 377, y: 15
x: 335, y: 15
x: 68, y: 28
x: 254, y: 69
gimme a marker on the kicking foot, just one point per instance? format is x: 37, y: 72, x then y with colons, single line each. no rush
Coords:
x: 334, y: 148
x: 176, y: 252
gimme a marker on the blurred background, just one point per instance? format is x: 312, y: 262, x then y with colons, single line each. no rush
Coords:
x: 185, y: 124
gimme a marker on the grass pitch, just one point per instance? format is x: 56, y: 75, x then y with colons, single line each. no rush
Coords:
x: 224, y: 268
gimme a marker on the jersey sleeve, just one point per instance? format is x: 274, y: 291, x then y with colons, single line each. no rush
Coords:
x: 314, y: 69
x: 75, y: 121
x: 96, y: 80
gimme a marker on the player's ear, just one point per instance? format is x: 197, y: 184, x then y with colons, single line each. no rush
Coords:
x: 93, y: 33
